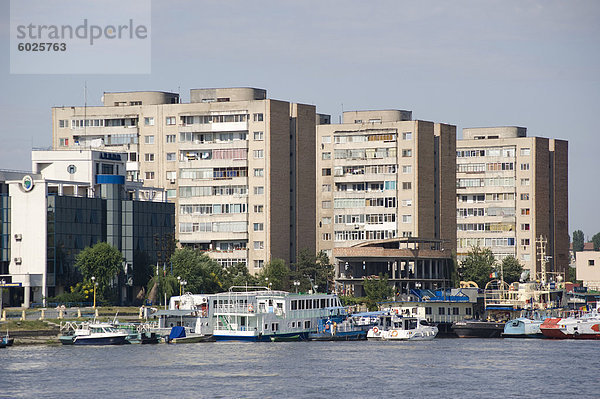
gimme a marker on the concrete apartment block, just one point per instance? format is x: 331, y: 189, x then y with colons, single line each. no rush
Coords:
x: 511, y: 189
x: 382, y: 175
x: 235, y: 163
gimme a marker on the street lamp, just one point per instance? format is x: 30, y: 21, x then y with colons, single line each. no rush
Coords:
x: 179, y: 282
x: 94, y: 284
x: 182, y: 285
x: 296, y: 284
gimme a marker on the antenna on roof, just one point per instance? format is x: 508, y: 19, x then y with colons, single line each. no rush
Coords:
x: 340, y: 119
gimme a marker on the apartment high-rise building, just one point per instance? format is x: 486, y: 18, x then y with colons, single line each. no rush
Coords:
x: 511, y: 190
x: 382, y: 175
x: 239, y: 166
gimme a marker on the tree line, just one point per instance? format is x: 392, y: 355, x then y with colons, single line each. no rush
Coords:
x: 198, y: 271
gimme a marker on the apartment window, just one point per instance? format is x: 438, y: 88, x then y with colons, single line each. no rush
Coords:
x: 259, y: 172
x: 259, y: 154
x: 171, y: 156
x: 326, y: 204
x: 170, y: 138
x: 326, y: 220
x: 525, y: 241
x: 525, y: 196
x: 149, y: 121
x: 171, y: 175
x: 524, y: 166
x: 326, y: 236
x: 170, y: 120
x: 64, y: 142
x: 149, y: 175
x: 524, y: 211
x: 591, y: 262
x: 258, y: 117
x: 63, y: 123
x: 326, y: 172
x: 326, y: 139
x: 259, y: 226
x: 525, y: 226
x: 149, y: 139
x: 407, y: 136
x: 325, y: 155
x: 259, y: 208
x: 259, y: 136
x: 326, y: 188
x: 406, y: 218
x: 524, y: 182
x: 259, y: 245
x: 406, y: 185
x: 525, y: 151
x: 258, y: 263
x: 172, y: 193
x: 149, y: 157
x: 407, y: 202
x: 406, y: 169
x: 259, y: 190
x: 133, y: 156
x: 406, y: 153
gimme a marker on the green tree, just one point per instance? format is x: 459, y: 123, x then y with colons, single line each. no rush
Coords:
x: 377, y: 289
x: 578, y: 241
x: 239, y: 275
x: 275, y: 274
x: 511, y: 268
x: 104, y: 262
x: 161, y: 286
x: 311, y: 270
x: 201, y: 273
x: 596, y: 241
x: 477, y: 266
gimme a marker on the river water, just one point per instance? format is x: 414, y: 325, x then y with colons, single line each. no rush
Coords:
x: 442, y: 368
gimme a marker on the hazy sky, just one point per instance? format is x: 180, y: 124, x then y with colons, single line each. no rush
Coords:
x: 469, y: 63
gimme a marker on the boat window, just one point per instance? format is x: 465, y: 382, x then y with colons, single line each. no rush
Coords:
x: 266, y: 326
x: 270, y: 302
x: 294, y: 305
x: 455, y: 311
x: 441, y: 311
x: 315, y: 303
x: 410, y: 324
x: 323, y: 304
x: 428, y: 310
x: 307, y: 324
x: 468, y: 311
x: 275, y: 326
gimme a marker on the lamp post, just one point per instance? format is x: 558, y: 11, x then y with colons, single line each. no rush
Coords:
x: 182, y: 285
x: 2, y: 282
x: 179, y: 282
x: 94, y: 284
x: 296, y: 284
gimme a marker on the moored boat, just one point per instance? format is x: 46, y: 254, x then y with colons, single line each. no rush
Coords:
x: 340, y: 328
x: 91, y: 334
x: 478, y: 328
x: 258, y: 314
x: 181, y: 335
x: 393, y: 327
x: 577, y: 325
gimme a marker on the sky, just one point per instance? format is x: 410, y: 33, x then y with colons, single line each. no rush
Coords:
x: 475, y: 63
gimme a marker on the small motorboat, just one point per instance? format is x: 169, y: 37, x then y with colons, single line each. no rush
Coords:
x: 394, y: 327
x: 92, y: 334
x: 179, y: 335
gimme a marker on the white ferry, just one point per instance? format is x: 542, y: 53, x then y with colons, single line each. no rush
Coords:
x: 260, y: 314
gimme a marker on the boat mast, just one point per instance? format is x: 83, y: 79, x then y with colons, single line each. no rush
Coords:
x: 541, y: 247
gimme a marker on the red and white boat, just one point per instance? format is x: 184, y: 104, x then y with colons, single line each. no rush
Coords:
x: 579, y: 325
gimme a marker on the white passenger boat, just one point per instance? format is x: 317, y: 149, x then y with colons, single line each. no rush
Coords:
x: 260, y: 314
x: 393, y: 327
